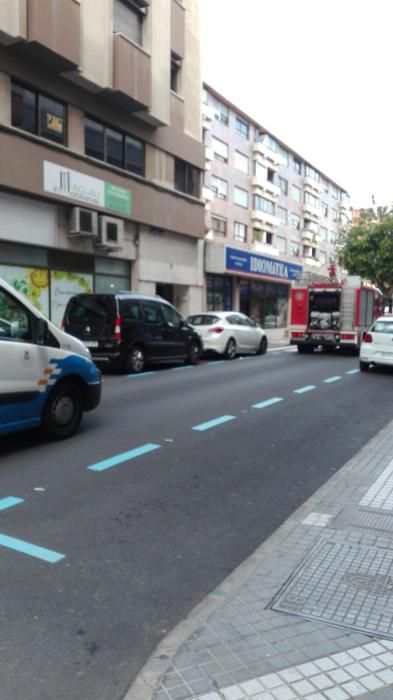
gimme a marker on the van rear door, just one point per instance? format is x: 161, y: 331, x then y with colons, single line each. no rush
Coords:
x: 92, y: 319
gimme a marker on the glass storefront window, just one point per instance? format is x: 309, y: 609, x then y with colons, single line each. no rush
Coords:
x: 265, y: 302
x: 106, y: 283
x: 219, y: 293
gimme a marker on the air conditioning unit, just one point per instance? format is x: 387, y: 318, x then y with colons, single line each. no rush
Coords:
x: 83, y: 223
x: 111, y: 234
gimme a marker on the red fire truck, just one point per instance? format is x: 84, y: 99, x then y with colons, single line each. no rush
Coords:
x: 332, y: 314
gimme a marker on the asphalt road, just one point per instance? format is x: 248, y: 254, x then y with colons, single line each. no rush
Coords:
x: 140, y: 541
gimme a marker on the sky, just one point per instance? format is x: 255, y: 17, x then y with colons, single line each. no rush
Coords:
x: 317, y: 74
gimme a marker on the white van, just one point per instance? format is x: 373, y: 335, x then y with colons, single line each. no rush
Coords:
x: 47, y: 377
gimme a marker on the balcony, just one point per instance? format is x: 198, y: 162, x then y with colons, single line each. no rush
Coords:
x: 209, y: 153
x: 259, y: 183
x: 207, y: 194
x: 177, y: 111
x: 271, y: 158
x: 265, y: 248
x: 53, y: 33
x: 307, y: 236
x: 312, y: 262
x: 207, y: 116
x: 131, y: 74
x: 311, y: 184
x: 315, y: 212
x: 262, y: 217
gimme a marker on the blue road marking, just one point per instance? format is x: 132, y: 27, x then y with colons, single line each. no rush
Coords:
x: 213, y: 423
x: 176, y: 369
x: 9, y: 502
x: 303, y: 389
x: 123, y: 457
x: 216, y: 362
x: 352, y: 371
x: 332, y: 379
x: 268, y: 402
x: 141, y: 374
x: 31, y: 549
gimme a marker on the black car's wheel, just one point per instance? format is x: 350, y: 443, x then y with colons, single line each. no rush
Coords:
x: 364, y: 366
x: 194, y: 353
x: 135, y: 360
x: 230, y: 350
x: 63, y: 411
x: 262, y: 346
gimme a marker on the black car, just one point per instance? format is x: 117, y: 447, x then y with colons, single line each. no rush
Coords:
x: 127, y: 330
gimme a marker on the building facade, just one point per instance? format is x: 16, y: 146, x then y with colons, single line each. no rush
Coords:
x: 270, y: 215
x: 100, y: 149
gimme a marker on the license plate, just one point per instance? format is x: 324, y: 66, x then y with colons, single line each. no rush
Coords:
x: 91, y: 343
x: 387, y: 354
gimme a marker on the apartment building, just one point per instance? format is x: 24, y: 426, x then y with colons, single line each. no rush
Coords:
x: 270, y: 215
x: 100, y: 149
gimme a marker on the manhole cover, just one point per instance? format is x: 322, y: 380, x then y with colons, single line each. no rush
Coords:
x: 367, y: 518
x: 342, y: 584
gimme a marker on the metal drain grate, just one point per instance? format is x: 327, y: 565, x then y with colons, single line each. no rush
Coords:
x: 367, y: 518
x: 345, y: 585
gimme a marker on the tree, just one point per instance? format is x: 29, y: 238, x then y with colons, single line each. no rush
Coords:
x: 366, y: 249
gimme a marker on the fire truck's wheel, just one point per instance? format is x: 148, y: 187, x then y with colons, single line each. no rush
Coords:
x: 364, y: 366
x: 230, y: 350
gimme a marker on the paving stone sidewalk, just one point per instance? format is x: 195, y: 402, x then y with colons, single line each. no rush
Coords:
x: 309, y: 615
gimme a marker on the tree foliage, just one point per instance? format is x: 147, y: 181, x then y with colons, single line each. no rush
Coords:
x: 366, y: 249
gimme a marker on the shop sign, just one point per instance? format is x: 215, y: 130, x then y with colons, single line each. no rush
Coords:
x: 245, y: 262
x: 86, y: 189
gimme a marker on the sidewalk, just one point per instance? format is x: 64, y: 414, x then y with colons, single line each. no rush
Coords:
x: 309, y: 615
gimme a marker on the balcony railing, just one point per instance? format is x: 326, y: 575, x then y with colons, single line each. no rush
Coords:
x: 53, y: 33
x: 263, y: 184
x: 267, y: 219
x: 131, y: 73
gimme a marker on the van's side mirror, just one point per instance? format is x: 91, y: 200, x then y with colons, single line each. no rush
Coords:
x: 40, y: 331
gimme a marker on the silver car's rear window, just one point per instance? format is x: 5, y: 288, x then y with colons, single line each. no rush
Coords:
x: 203, y: 319
x: 383, y: 327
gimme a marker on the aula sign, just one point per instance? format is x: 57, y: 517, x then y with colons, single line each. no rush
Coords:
x: 250, y: 263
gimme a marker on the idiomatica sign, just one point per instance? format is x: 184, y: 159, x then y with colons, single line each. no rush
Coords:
x: 250, y: 263
x: 86, y: 189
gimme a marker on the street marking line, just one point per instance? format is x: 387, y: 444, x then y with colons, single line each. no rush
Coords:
x: 176, y: 369
x: 216, y: 362
x: 140, y: 374
x: 332, y: 379
x: 213, y: 423
x: 9, y: 502
x: 123, y: 457
x: 268, y: 402
x: 303, y: 389
x: 31, y: 549
x: 352, y: 371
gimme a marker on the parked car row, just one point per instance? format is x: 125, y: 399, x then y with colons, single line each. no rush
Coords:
x: 377, y: 344
x: 128, y: 331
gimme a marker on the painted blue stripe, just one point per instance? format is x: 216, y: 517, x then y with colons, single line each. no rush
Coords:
x: 123, y: 457
x: 140, y: 374
x: 31, y: 549
x: 9, y: 502
x: 332, y: 379
x: 247, y: 357
x: 303, y: 389
x: 176, y: 369
x: 213, y: 423
x: 352, y: 371
x: 268, y: 402
x: 216, y: 362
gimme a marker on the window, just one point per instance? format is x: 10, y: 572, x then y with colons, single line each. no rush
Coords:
x: 270, y: 175
x: 152, y: 312
x: 128, y: 20
x: 296, y: 193
x: 221, y: 111
x: 311, y: 172
x: 263, y: 204
x: 334, y: 214
x: 240, y: 197
x: 175, y: 72
x: 171, y: 316
x: 311, y: 199
x: 113, y: 147
x: 325, y: 210
x: 334, y: 192
x: 281, y: 244
x: 333, y: 237
x: 14, y: 319
x: 324, y: 184
x: 311, y: 226
x: 297, y: 165
x: 324, y: 233
x: 294, y: 249
x: 283, y: 183
x: 219, y: 224
x: 38, y: 114
x: 187, y: 178
x: 219, y: 187
x: 282, y: 215
x: 260, y: 170
x: 220, y: 149
x: 294, y: 221
x: 219, y: 292
x: 240, y: 231
x: 130, y: 308
x: 284, y: 155
x: 241, y: 162
x: 271, y: 143
x: 265, y: 237
x: 242, y: 128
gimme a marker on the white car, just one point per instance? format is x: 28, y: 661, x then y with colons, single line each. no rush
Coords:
x: 377, y: 344
x: 228, y: 333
